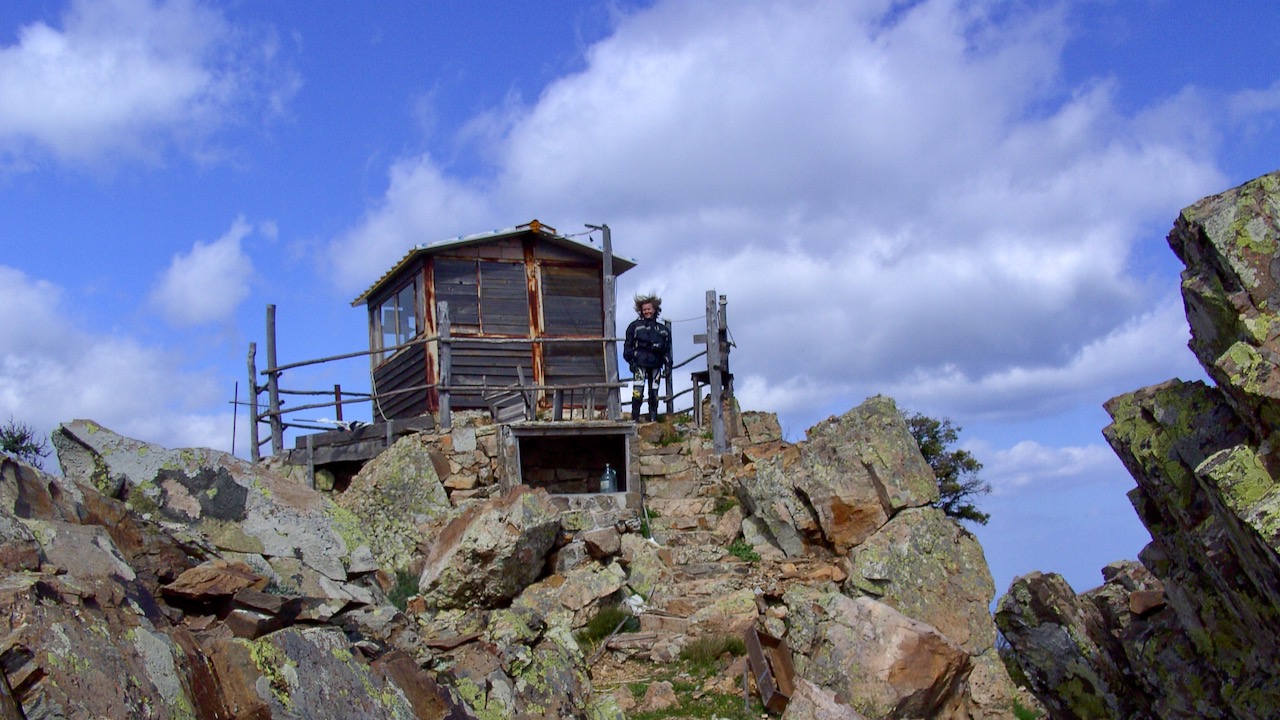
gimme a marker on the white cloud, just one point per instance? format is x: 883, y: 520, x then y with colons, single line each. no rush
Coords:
x: 421, y: 206
x: 207, y: 284
x: 126, y: 77
x: 54, y: 372
x: 896, y: 199
x: 1031, y: 465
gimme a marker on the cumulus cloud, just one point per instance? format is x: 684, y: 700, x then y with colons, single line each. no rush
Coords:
x: 908, y: 195
x: 421, y: 205
x: 54, y: 371
x: 207, y: 284
x: 127, y: 77
x: 1028, y: 464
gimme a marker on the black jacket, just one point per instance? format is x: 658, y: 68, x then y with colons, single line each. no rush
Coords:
x: 648, y: 344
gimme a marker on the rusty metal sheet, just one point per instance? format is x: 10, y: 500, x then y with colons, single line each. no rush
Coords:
x: 770, y: 661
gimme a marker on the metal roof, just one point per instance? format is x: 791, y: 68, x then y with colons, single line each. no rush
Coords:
x: 545, y: 233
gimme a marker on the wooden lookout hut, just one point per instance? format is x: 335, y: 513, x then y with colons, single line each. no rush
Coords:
x: 525, y: 306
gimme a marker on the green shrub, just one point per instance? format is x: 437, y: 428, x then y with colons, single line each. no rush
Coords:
x: 1022, y: 712
x: 742, y: 550
x: 724, y: 504
x: 405, y: 588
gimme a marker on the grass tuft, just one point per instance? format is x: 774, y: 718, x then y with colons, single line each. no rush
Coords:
x: 603, y: 623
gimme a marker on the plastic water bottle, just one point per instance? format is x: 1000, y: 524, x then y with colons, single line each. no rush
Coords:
x: 609, y: 480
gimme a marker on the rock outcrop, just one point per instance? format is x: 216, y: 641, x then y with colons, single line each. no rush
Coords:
x: 162, y: 583
x: 1193, y: 633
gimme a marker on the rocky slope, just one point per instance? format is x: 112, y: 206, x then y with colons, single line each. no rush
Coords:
x: 155, y: 583
x: 1193, y: 631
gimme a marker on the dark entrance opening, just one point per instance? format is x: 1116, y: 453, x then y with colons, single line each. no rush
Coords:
x: 573, y: 462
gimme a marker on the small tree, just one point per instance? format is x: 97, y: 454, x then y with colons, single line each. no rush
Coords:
x: 956, y: 470
x: 19, y: 440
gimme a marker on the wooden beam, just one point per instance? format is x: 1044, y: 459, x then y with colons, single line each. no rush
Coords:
x: 713, y: 374
x: 446, y: 360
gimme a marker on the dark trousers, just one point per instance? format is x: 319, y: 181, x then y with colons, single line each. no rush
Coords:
x: 645, y: 377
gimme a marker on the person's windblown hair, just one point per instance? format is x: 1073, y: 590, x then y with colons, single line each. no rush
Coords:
x: 651, y: 299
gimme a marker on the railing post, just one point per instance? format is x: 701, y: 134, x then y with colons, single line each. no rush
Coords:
x: 337, y: 400
x: 446, y: 362
x: 273, y: 385
x: 613, y: 404
x: 669, y: 389
x: 713, y: 374
x: 254, y: 454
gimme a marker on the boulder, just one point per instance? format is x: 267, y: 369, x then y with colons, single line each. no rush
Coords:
x: 873, y: 657
x: 239, y: 507
x: 810, y: 702
x: 399, y: 501
x: 491, y: 551
x: 860, y: 469
x: 924, y: 565
x: 769, y: 495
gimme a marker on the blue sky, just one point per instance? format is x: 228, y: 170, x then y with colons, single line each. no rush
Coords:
x: 961, y: 205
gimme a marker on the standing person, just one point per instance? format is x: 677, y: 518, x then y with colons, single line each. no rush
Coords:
x: 647, y: 351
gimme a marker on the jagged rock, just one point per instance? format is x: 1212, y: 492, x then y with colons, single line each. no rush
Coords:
x: 927, y: 567
x: 873, y: 657
x: 490, y: 552
x: 810, y: 702
x: 64, y: 662
x: 1193, y: 633
x: 761, y: 427
x: 860, y: 469
x: 770, y: 496
x: 155, y: 554
x: 522, y: 666
x: 1063, y: 644
x: 19, y: 549
x: 729, y: 614
x: 602, y: 542
x: 645, y: 570
x: 300, y: 673
x: 217, y: 578
x: 570, y: 556
x: 1230, y: 243
x: 398, y: 499
x: 658, y: 696
x: 239, y: 507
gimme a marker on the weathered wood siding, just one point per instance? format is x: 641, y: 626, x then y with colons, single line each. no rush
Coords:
x: 495, y: 365
x: 405, y: 369
x: 571, y: 307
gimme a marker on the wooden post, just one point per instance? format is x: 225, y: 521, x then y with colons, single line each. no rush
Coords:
x: 254, y: 453
x: 337, y: 400
x: 668, y: 389
x: 446, y: 361
x: 724, y: 363
x: 713, y: 374
x: 311, y: 461
x: 273, y: 385
x: 613, y: 404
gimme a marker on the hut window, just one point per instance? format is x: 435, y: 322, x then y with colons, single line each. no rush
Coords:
x: 397, y: 317
x: 484, y: 296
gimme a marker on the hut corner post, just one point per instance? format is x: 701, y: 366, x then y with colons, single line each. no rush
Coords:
x: 446, y: 361
x: 613, y: 403
x: 714, y: 369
